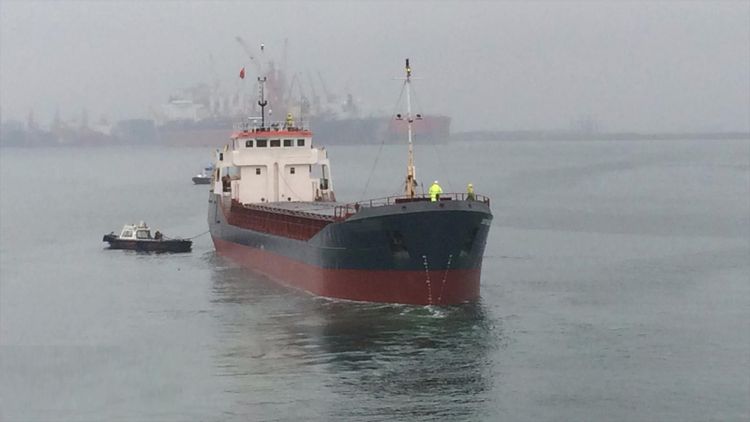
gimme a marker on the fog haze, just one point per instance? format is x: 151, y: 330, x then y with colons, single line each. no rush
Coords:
x: 641, y: 66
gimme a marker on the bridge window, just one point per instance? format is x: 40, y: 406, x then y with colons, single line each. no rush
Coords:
x: 287, y: 142
x: 291, y: 169
x: 233, y: 172
x: 275, y: 143
x: 261, y: 143
x: 257, y: 170
x: 300, y: 142
x: 249, y: 143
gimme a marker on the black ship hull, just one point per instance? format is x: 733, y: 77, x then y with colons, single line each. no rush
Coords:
x: 148, y: 245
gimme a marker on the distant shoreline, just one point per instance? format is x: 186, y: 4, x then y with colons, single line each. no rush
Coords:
x: 541, y: 135
x: 26, y: 139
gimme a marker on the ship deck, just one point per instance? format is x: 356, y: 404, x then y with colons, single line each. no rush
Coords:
x: 316, y: 210
x: 303, y: 220
x: 337, y: 211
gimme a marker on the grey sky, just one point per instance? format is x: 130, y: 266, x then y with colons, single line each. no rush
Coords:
x: 647, y: 66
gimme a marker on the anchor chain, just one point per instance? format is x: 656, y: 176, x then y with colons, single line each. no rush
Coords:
x: 445, y: 277
x: 427, y: 280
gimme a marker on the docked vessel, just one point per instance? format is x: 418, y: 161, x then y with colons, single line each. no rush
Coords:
x: 333, y: 130
x: 138, y: 237
x: 202, y: 114
x: 272, y: 208
x: 378, y: 129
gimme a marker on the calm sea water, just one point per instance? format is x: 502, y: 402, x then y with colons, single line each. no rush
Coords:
x: 616, y: 287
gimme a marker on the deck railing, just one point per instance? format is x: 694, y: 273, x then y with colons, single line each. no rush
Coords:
x: 254, y: 126
x: 344, y: 211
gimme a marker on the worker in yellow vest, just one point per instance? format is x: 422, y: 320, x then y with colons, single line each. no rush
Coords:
x: 470, y: 196
x: 435, y: 191
x: 289, y: 121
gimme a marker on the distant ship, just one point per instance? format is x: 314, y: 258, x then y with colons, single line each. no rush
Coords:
x: 204, y: 177
x: 73, y: 132
x: 202, y: 133
x: 272, y: 208
x: 196, y: 118
x: 201, y: 116
x: 377, y: 130
x: 211, y: 132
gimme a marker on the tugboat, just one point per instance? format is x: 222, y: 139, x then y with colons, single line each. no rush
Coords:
x: 272, y: 208
x: 204, y: 177
x: 138, y: 237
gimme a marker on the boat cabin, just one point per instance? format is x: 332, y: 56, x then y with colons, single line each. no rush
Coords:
x: 273, y: 163
x: 206, y: 171
x: 138, y: 231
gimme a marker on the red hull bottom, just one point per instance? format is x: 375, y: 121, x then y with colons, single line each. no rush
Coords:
x: 436, y: 287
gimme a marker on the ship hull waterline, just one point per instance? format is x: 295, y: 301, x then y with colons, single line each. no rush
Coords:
x: 445, y: 287
x: 346, y: 260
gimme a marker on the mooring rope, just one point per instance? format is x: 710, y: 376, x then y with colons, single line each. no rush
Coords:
x: 184, y: 238
x: 198, y: 235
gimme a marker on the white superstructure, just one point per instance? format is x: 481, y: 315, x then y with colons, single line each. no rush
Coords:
x: 273, y: 164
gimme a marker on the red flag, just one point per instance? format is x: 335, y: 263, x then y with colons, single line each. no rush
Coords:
x: 242, y: 73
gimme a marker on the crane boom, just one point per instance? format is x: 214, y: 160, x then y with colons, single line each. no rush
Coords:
x: 330, y: 98
x: 315, y: 97
x: 250, y: 55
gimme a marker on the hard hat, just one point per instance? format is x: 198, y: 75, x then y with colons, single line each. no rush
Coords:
x: 470, y: 185
x: 435, y: 182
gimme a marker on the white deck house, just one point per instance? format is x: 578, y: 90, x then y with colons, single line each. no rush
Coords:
x: 273, y: 164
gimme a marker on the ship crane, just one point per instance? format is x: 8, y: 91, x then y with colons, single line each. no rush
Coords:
x: 411, y: 173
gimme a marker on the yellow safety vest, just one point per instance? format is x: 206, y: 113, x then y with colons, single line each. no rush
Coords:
x: 434, y: 191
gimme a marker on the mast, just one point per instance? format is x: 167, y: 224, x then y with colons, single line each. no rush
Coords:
x: 410, y: 182
x: 262, y: 101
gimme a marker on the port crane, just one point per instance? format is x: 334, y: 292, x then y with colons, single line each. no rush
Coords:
x: 330, y: 98
x: 249, y: 52
x: 315, y: 97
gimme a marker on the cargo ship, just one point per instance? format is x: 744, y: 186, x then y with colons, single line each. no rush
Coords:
x: 194, y: 123
x: 272, y: 208
x: 202, y: 114
x: 347, y: 130
x: 332, y: 130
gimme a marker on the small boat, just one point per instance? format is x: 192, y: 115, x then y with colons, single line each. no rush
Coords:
x: 203, y: 178
x: 138, y: 237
